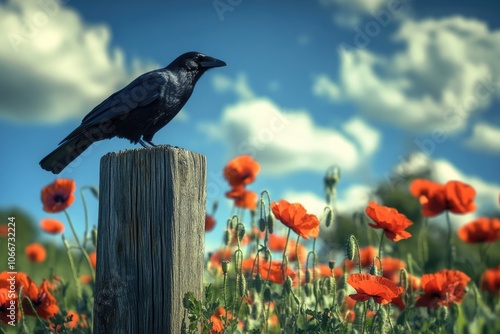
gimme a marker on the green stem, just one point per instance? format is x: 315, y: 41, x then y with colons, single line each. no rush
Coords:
x: 298, y: 265
x: 84, y: 252
x: 380, y: 250
x: 73, y: 269
x: 284, y: 264
x: 449, y: 242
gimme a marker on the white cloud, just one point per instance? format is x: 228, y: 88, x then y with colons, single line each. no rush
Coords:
x: 53, y: 65
x: 367, y: 137
x: 239, y: 86
x: 326, y: 88
x: 287, y: 141
x: 447, y: 72
x: 348, y: 13
x: 485, y: 138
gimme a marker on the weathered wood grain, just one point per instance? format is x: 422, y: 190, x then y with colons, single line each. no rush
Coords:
x: 151, y: 239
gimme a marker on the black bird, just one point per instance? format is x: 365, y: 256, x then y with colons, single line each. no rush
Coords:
x: 139, y: 110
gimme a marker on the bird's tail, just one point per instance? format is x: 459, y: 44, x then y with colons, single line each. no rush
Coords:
x: 56, y: 161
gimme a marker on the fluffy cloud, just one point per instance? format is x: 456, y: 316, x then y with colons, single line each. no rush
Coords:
x: 485, y: 138
x: 447, y: 71
x: 288, y: 141
x: 53, y: 65
x: 348, y: 13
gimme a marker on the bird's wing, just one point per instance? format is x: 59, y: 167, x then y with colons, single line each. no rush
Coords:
x: 144, y: 90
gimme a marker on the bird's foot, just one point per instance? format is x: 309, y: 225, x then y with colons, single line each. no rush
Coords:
x: 142, y: 143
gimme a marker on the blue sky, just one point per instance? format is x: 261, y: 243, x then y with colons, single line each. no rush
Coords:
x: 309, y: 84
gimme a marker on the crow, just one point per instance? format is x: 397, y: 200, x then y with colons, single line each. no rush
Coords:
x: 140, y: 109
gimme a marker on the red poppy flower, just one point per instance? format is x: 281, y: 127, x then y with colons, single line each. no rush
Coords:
x: 390, y: 220
x: 86, y: 279
x: 35, y: 252
x: 366, y: 254
x: 52, y: 226
x: 59, y: 195
x: 490, y: 280
x: 41, y: 298
x: 243, y: 198
x: 209, y: 223
x: 455, y: 196
x: 217, y: 320
x: 93, y: 259
x: 480, y: 230
x: 294, y: 216
x: 274, y: 272
x: 4, y: 230
x: 277, y: 244
x: 442, y: 288
x: 270, y: 271
x: 241, y: 171
x: 381, y: 289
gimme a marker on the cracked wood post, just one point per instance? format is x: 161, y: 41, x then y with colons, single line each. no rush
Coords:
x: 151, y: 239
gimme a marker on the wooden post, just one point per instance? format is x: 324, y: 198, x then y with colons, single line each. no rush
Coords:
x: 151, y: 239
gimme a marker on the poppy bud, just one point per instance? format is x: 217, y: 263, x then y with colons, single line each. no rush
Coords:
x: 242, y: 286
x: 403, y: 279
x: 331, y: 264
x: 329, y: 217
x: 442, y: 313
x: 241, y: 232
x: 352, y: 248
x: 227, y: 237
x: 225, y: 266
x: 258, y: 283
x: 270, y: 223
x: 267, y: 295
x: 287, y: 285
x: 262, y: 224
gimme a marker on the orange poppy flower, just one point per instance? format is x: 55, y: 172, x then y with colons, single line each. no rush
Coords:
x: 294, y: 216
x: 86, y: 279
x: 52, y: 226
x: 274, y: 272
x: 241, y: 171
x: 381, y: 289
x: 490, y: 280
x: 390, y: 220
x: 217, y: 321
x: 455, y: 196
x: 480, y: 230
x: 243, y: 198
x: 209, y: 223
x: 35, y: 252
x: 93, y: 259
x: 270, y: 271
x: 41, y: 298
x: 277, y: 244
x: 366, y: 254
x: 442, y: 288
x: 59, y: 195
x: 4, y: 230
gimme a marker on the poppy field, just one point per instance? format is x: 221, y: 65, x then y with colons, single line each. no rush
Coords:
x: 281, y: 269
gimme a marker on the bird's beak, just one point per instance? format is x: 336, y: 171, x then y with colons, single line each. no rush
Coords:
x: 209, y: 62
